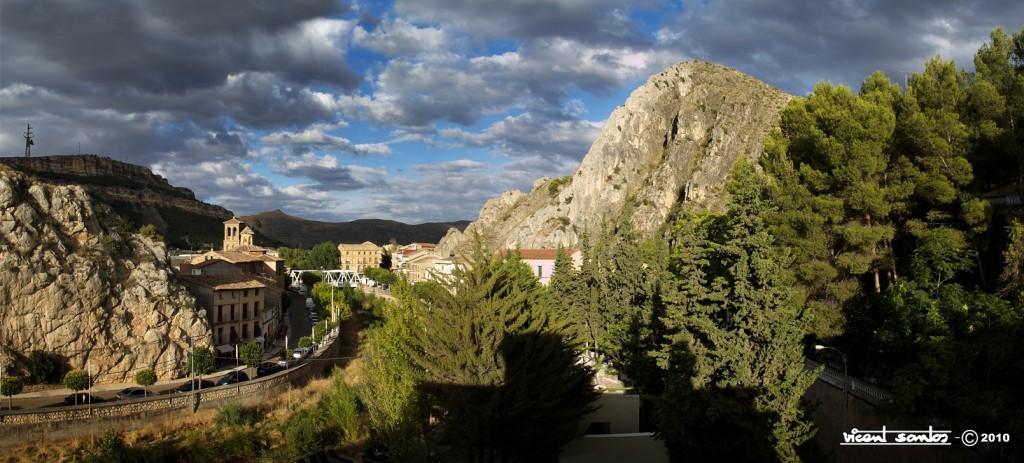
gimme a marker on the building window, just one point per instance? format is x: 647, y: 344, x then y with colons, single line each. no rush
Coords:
x: 220, y: 335
x: 257, y: 292
x: 256, y: 330
x: 232, y: 312
x: 256, y: 308
x: 540, y: 272
x: 245, y: 331
x: 245, y: 310
x: 220, y: 313
x: 245, y: 293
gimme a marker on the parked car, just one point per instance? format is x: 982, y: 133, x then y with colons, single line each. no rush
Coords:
x: 267, y: 369
x: 194, y: 384
x: 233, y: 377
x: 309, y: 303
x: 314, y: 317
x: 130, y: 393
x: 83, y: 398
x: 302, y: 290
x: 300, y: 353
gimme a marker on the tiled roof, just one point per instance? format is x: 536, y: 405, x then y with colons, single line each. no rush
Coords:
x: 208, y: 262
x: 222, y: 282
x: 235, y: 256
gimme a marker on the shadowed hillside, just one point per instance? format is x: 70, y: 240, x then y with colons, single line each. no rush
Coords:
x: 298, y: 232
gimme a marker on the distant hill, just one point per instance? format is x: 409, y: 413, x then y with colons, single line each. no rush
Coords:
x: 137, y: 194
x: 302, y: 233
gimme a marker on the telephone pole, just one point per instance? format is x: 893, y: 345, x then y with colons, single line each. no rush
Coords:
x: 28, y: 141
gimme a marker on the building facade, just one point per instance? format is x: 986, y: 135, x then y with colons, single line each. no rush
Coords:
x: 235, y: 306
x: 542, y: 261
x: 240, y: 286
x: 359, y: 256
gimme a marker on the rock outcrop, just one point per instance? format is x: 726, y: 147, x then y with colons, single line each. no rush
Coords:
x: 135, y: 192
x: 676, y: 139
x: 75, y: 280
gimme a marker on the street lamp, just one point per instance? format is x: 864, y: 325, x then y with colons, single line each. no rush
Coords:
x: 846, y: 379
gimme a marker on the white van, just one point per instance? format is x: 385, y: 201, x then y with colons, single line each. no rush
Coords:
x: 309, y: 303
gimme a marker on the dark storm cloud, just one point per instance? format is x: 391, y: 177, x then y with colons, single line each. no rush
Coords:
x: 598, y: 21
x: 328, y: 173
x: 161, y: 47
x: 149, y: 81
x: 797, y: 43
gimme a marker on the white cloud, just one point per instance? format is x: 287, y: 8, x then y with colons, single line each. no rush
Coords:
x: 400, y: 37
x: 316, y: 136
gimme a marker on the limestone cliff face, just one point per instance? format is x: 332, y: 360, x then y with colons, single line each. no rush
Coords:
x: 135, y: 192
x: 675, y: 139
x: 74, y: 280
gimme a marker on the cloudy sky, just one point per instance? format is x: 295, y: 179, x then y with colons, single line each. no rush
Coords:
x: 413, y: 110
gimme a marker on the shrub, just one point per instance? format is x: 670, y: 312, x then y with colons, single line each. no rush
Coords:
x: 110, y: 448
x: 341, y: 408
x: 234, y: 415
x: 149, y: 231
x: 305, y: 341
x: 304, y: 433
x: 44, y: 367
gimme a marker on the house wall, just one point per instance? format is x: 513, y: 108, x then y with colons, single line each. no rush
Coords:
x: 541, y: 268
x: 238, y: 311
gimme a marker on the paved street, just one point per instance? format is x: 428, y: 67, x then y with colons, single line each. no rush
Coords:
x: 298, y: 320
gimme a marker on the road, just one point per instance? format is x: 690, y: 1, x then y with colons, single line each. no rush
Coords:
x: 44, y: 399
x: 298, y: 320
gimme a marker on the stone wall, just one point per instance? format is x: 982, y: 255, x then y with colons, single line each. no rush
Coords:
x: 16, y: 425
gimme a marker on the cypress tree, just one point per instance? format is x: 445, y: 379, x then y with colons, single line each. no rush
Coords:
x: 501, y: 372
x: 733, y: 356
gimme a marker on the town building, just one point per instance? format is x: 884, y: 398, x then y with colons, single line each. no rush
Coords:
x: 359, y: 256
x: 240, y: 286
x: 235, y: 306
x: 419, y: 265
x: 402, y: 254
x: 542, y: 261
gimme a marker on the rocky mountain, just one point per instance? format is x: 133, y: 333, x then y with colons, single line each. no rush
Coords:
x: 675, y: 140
x: 136, y: 193
x: 77, y: 281
x: 301, y: 233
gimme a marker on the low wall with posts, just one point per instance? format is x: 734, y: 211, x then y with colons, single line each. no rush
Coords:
x: 15, y: 424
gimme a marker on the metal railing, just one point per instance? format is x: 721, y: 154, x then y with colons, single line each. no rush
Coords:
x: 857, y: 388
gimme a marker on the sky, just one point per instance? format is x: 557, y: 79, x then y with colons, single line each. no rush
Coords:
x: 412, y: 110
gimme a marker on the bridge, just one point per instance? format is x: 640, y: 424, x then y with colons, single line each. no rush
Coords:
x: 332, y: 277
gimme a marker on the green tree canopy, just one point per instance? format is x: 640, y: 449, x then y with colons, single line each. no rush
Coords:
x: 251, y: 354
x: 10, y: 386
x: 145, y: 378
x: 202, y: 360
x: 76, y: 380
x: 733, y: 358
x: 490, y: 355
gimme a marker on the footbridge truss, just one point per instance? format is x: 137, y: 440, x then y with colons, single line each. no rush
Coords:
x: 331, y: 277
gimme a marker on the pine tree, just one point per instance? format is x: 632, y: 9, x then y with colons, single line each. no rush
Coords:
x: 734, y: 356
x: 500, y: 368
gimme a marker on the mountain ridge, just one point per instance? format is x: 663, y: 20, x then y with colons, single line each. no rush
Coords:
x: 279, y: 225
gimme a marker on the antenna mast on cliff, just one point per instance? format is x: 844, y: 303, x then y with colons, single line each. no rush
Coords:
x: 29, y: 141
